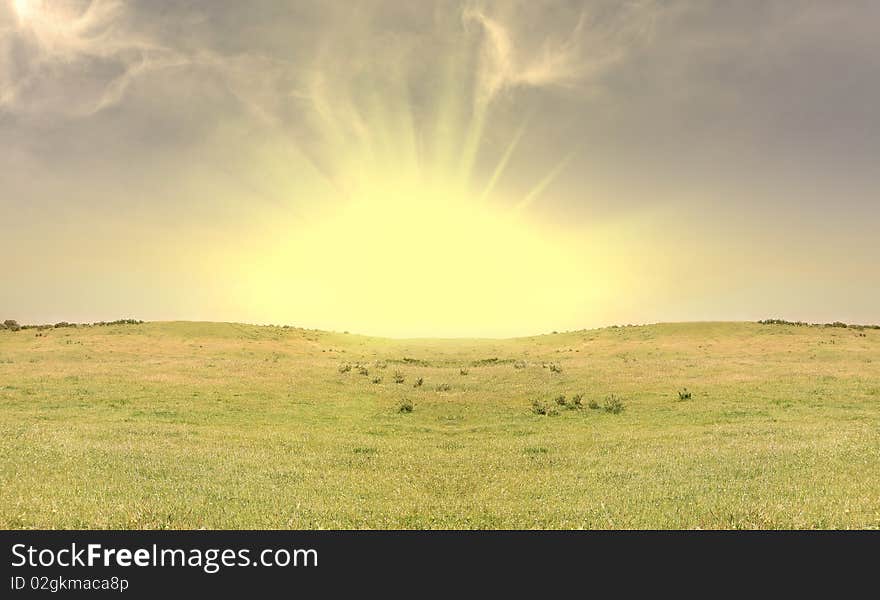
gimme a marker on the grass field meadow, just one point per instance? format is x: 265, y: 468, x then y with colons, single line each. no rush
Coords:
x: 216, y: 425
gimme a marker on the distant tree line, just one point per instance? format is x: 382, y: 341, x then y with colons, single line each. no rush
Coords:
x: 13, y: 325
x: 805, y: 324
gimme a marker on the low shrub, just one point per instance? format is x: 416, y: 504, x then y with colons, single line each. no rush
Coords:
x: 539, y: 408
x: 405, y: 406
x: 613, y: 404
x: 684, y: 394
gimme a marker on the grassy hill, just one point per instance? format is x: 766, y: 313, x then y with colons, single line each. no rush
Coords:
x: 218, y: 425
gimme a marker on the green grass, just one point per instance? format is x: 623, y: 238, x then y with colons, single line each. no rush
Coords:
x: 188, y: 425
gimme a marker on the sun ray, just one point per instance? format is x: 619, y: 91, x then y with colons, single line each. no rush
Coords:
x: 502, y: 163
x: 543, y: 184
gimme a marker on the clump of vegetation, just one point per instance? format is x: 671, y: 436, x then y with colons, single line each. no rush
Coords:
x: 783, y: 322
x: 14, y: 326
x: 593, y: 405
x: 520, y: 364
x: 840, y: 324
x: 577, y: 401
x: 345, y: 367
x: 485, y: 361
x: 539, y: 408
x: 377, y: 379
x: 405, y: 406
x: 363, y: 370
x: 555, y: 368
x: 444, y: 387
x: 684, y: 394
x: 560, y: 400
x: 613, y: 404
x: 415, y: 361
x: 381, y: 364
x: 463, y: 371
x: 117, y: 322
x: 398, y: 377
x: 419, y: 382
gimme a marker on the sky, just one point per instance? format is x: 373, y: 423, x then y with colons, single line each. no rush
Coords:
x: 440, y: 168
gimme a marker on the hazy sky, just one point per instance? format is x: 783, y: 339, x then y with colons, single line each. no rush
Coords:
x: 440, y: 168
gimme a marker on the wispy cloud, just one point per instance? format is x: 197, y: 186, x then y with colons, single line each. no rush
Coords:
x: 71, y: 58
x: 599, y: 39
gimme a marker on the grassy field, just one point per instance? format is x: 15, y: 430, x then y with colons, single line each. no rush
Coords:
x: 216, y: 425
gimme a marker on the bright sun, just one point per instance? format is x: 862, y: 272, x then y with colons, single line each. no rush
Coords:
x: 407, y: 239
x: 408, y: 259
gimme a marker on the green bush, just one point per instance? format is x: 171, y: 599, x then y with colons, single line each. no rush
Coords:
x: 613, y: 404
x: 539, y: 408
x: 12, y: 325
x: 398, y: 377
x: 684, y: 394
x: 405, y: 406
x: 419, y: 382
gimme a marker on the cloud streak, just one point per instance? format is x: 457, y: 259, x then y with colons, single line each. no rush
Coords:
x: 75, y: 58
x: 595, y: 43
x: 72, y: 59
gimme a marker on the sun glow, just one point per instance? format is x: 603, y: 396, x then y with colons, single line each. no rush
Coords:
x: 404, y: 236
x: 412, y: 261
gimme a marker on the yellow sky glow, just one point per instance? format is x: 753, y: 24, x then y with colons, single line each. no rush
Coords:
x: 437, y: 169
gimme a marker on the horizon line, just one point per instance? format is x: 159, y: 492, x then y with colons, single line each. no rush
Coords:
x: 132, y: 321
